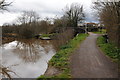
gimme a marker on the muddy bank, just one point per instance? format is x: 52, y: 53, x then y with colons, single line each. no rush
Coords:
x: 52, y: 71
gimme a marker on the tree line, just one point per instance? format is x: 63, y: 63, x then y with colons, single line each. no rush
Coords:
x: 109, y: 16
x: 30, y: 24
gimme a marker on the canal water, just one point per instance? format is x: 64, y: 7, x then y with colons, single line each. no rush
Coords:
x: 27, y: 58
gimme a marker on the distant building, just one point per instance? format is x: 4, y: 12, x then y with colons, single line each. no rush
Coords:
x: 91, y: 24
x: 88, y: 24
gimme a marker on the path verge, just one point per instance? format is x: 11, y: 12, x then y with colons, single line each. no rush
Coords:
x: 61, y: 60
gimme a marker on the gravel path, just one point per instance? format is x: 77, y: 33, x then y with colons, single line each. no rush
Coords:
x: 88, y: 61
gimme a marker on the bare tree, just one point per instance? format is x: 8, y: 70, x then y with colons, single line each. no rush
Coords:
x: 28, y: 17
x: 74, y: 14
x: 4, y: 4
x: 44, y: 26
x: 29, y: 24
x: 109, y: 14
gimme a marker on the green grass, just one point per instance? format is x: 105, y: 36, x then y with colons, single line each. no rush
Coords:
x: 46, y: 35
x: 109, y: 49
x: 61, y: 59
x: 103, y: 31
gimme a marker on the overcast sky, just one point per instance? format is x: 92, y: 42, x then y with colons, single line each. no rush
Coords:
x: 45, y: 8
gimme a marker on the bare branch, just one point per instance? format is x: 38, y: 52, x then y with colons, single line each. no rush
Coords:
x: 4, y: 5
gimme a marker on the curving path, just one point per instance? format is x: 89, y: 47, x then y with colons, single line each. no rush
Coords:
x: 88, y: 61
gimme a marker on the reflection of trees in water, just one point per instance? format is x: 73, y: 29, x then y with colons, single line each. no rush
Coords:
x: 46, y: 45
x: 30, y: 50
x: 6, y: 72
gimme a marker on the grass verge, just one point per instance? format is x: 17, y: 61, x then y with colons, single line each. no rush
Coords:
x: 61, y: 59
x: 103, y: 31
x: 111, y: 50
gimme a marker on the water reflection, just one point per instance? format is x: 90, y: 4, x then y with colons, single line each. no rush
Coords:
x: 28, y: 51
x: 29, y: 55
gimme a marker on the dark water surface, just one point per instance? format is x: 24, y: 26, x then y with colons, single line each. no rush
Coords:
x: 27, y: 58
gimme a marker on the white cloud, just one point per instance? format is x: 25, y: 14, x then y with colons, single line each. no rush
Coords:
x: 8, y: 17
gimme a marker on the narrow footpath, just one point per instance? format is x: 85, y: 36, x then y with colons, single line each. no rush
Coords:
x: 88, y: 61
